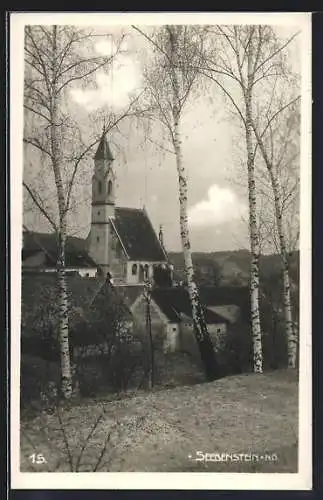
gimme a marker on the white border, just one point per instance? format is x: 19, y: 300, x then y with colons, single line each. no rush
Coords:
x: 133, y: 480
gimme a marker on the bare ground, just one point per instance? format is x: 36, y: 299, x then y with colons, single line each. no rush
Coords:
x: 161, y: 431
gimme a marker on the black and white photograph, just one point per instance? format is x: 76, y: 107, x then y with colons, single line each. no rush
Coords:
x: 160, y: 250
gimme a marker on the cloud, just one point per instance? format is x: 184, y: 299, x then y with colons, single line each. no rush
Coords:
x: 222, y: 205
x: 113, y: 88
x: 108, y: 46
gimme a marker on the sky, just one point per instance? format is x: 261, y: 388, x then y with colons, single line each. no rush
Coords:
x: 147, y: 175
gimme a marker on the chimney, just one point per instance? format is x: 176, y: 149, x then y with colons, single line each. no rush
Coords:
x: 161, y: 235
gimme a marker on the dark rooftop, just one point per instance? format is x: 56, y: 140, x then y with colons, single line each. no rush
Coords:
x: 138, y: 235
x: 174, y: 302
x: 76, y: 249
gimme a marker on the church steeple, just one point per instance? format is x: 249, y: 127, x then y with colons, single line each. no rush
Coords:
x: 103, y: 184
x: 103, y: 204
x: 103, y: 152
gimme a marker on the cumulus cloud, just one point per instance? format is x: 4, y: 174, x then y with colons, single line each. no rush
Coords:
x: 113, y: 88
x: 221, y: 205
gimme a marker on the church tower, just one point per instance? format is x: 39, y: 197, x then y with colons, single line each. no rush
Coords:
x: 103, y: 205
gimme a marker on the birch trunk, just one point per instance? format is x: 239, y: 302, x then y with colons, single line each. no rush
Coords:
x: 253, y: 230
x: 287, y: 303
x: 200, y: 329
x: 63, y: 330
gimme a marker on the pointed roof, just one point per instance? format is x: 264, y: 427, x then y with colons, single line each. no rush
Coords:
x: 137, y: 235
x: 103, y: 152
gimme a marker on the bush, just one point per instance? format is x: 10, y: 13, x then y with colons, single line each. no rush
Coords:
x: 39, y: 378
x: 234, y: 352
x: 118, y: 367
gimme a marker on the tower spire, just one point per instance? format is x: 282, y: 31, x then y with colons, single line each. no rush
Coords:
x: 103, y: 152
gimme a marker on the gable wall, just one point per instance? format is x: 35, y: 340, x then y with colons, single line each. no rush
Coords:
x: 231, y: 312
x: 158, y: 325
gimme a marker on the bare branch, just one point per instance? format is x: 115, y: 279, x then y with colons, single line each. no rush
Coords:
x: 39, y: 205
x: 276, y: 52
x: 152, y: 41
x: 35, y: 143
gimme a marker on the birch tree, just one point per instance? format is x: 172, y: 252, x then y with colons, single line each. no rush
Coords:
x: 169, y: 80
x: 243, y: 61
x: 279, y: 150
x: 57, y: 58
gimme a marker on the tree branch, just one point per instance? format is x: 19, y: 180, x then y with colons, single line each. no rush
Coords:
x: 39, y: 205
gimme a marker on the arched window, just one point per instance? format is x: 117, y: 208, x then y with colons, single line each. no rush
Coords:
x: 110, y: 187
x: 99, y: 187
x: 146, y: 268
x: 134, y: 269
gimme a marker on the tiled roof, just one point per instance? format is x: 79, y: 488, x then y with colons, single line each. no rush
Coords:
x: 76, y: 249
x: 37, y: 287
x: 89, y: 298
x: 175, y: 302
x: 103, y: 152
x: 129, y: 293
x: 137, y: 235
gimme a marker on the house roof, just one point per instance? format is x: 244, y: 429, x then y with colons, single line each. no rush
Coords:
x: 103, y: 152
x: 175, y: 303
x: 39, y: 292
x: 137, y: 235
x: 129, y: 293
x: 76, y: 254
x: 42, y: 286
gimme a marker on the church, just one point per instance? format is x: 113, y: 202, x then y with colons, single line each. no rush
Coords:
x: 121, y: 244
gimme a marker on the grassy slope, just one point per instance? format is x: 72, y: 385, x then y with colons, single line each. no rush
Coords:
x: 158, y: 431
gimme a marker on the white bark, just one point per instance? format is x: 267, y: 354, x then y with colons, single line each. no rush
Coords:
x: 253, y: 229
x: 200, y: 328
x: 287, y: 303
x: 66, y: 369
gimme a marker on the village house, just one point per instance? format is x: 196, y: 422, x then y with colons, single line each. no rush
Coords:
x: 171, y: 313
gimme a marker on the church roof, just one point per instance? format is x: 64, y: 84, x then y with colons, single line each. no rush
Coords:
x: 76, y: 254
x: 137, y: 235
x: 103, y: 152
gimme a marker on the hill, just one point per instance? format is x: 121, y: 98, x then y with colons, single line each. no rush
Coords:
x: 162, y: 431
x: 231, y: 267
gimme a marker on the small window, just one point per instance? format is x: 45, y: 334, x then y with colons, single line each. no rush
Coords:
x: 134, y: 269
x: 174, y: 329
x: 97, y: 239
x: 99, y: 187
x: 146, y: 268
x: 219, y: 330
x: 109, y: 187
x: 99, y: 213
